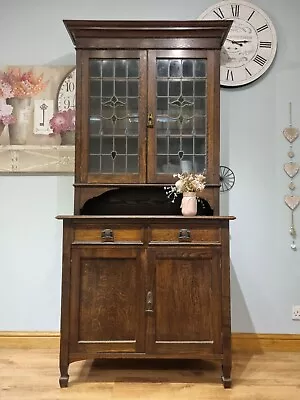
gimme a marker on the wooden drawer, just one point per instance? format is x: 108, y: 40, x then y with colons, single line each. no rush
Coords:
x: 185, y: 234
x: 108, y: 234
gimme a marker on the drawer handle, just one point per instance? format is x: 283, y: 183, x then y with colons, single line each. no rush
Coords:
x: 184, y: 235
x: 149, y: 302
x: 107, y: 235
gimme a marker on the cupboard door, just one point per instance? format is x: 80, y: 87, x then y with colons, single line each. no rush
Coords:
x: 186, y: 295
x: 180, y: 92
x: 114, y: 117
x: 107, y: 293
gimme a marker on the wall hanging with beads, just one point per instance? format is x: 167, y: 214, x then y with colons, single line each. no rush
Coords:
x: 291, y: 168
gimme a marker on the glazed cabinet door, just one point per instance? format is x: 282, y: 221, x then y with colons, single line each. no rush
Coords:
x: 112, y: 117
x: 186, y: 301
x: 183, y: 104
x: 107, y: 293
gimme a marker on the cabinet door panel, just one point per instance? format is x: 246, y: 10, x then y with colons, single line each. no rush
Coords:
x: 178, y: 98
x: 187, y: 307
x: 115, y: 118
x: 106, y: 298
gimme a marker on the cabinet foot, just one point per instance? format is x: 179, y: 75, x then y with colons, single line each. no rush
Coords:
x: 64, y: 377
x: 226, y: 382
x: 63, y: 381
x: 226, y: 376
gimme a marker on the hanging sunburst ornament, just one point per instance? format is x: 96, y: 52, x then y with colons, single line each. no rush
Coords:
x: 227, y: 178
x: 291, y: 168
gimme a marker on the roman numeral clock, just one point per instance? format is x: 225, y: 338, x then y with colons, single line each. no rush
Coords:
x: 251, y: 44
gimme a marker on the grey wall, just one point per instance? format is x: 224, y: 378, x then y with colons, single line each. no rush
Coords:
x: 265, y: 271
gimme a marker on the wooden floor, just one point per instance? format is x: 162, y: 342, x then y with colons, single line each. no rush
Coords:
x: 33, y: 374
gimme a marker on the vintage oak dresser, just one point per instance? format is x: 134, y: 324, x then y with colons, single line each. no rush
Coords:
x: 139, y: 280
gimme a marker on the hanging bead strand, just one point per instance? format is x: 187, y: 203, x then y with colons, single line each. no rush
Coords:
x: 291, y: 168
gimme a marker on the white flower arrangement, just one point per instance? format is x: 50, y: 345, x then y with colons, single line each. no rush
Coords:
x: 187, y: 182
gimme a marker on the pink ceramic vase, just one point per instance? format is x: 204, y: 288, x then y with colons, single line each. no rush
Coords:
x: 189, y: 204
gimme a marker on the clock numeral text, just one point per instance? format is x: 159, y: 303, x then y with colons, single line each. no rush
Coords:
x: 229, y: 75
x: 266, y: 45
x: 219, y: 13
x: 248, y: 72
x: 251, y: 15
x: 70, y: 86
x: 260, y: 60
x: 69, y: 103
x: 262, y: 28
x: 235, y: 9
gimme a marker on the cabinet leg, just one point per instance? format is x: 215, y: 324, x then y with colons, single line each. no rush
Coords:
x: 64, y: 376
x: 226, y: 376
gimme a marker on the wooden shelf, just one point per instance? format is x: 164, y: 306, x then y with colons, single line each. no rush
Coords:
x: 36, y: 159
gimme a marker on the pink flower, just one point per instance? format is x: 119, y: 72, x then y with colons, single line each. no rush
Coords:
x: 62, y: 122
x: 5, y: 89
x: 20, y: 84
x: 5, y: 113
x: 8, y: 119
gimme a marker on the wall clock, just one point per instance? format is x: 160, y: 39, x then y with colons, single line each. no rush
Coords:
x: 66, y: 92
x: 251, y: 44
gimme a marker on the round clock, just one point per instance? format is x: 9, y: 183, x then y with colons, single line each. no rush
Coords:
x: 66, y: 92
x: 250, y: 46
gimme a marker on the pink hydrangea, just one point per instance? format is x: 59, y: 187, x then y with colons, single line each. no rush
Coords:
x: 8, y: 119
x: 62, y: 122
x: 6, y: 116
x: 5, y: 90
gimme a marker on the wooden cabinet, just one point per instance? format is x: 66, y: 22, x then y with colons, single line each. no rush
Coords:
x: 150, y: 294
x: 147, y: 103
x: 139, y: 280
x: 107, y: 293
x: 185, y: 287
x: 144, y: 107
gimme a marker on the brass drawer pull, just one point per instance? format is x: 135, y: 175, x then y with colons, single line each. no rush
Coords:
x: 184, y: 235
x: 107, y: 235
x: 149, y: 302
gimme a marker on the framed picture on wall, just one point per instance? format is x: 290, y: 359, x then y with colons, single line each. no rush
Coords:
x: 37, y: 119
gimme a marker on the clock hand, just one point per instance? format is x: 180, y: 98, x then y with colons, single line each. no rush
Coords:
x: 234, y: 42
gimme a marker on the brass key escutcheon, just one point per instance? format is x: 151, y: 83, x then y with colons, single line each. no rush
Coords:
x: 150, y: 121
x: 149, y: 302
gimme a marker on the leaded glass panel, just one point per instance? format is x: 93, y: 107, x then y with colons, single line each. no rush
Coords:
x: 113, y: 116
x: 181, y: 115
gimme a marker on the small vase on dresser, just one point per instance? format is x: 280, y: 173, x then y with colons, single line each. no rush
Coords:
x: 189, y: 204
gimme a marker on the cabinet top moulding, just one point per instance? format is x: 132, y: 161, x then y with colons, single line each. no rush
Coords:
x: 82, y: 31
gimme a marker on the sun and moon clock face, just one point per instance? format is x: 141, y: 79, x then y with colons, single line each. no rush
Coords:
x: 251, y: 44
